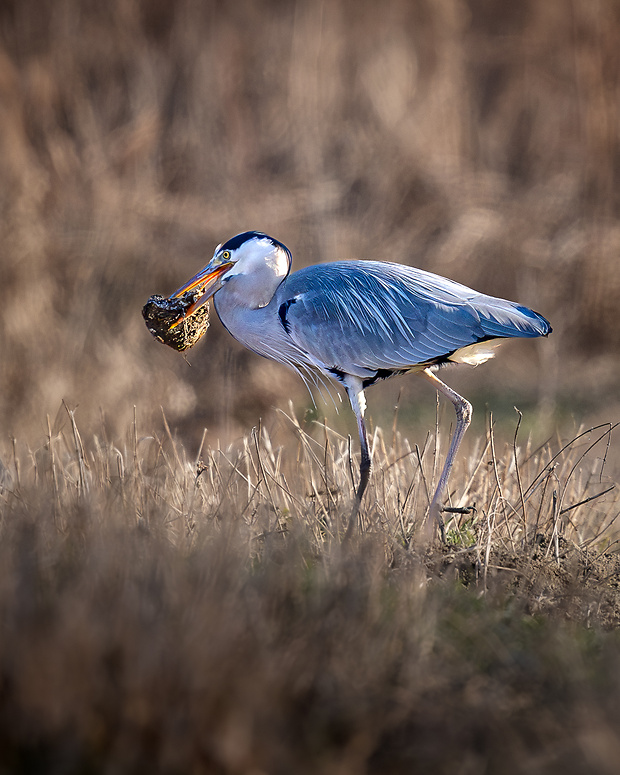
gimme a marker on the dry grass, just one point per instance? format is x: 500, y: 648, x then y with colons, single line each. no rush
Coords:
x: 176, y: 615
x: 156, y: 620
x: 476, y: 141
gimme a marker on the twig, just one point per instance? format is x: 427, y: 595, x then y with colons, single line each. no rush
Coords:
x: 570, y: 443
x: 498, y: 484
x: 79, y: 449
x: 255, y: 435
x: 587, y: 500
x: 514, y: 446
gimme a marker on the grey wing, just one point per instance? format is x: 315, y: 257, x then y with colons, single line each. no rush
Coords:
x: 361, y: 317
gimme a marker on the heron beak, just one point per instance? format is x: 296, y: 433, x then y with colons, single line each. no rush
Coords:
x: 204, y: 283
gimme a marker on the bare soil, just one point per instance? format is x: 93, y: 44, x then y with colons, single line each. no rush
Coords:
x: 564, y: 581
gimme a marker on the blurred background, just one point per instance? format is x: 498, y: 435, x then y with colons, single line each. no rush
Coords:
x: 476, y: 139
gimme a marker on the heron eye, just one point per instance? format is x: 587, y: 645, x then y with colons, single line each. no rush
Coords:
x: 225, y: 255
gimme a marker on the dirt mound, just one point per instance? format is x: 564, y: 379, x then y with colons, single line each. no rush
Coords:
x: 563, y: 580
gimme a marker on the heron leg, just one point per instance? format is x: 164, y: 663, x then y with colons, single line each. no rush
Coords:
x: 355, y: 392
x: 463, y: 418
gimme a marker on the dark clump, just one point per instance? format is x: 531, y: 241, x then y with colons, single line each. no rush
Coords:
x: 161, y: 313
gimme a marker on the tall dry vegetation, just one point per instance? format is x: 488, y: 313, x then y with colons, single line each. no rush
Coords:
x: 170, y: 615
x: 476, y: 139
x: 169, y: 610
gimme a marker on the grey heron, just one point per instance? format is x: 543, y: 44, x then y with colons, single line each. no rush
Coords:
x: 357, y: 322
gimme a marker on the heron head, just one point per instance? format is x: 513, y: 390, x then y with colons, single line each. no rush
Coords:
x: 248, y: 255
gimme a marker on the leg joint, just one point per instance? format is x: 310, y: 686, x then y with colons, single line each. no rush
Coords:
x: 464, y: 411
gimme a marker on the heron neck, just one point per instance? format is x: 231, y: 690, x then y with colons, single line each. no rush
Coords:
x: 251, y: 291
x: 257, y: 327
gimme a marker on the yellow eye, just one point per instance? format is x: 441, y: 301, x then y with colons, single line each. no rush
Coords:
x: 225, y: 255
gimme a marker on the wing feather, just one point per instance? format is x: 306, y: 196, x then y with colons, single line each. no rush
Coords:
x: 362, y: 316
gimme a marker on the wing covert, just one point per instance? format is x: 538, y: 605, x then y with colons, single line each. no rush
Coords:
x: 363, y: 316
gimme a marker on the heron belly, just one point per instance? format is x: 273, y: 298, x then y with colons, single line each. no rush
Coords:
x: 475, y: 354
